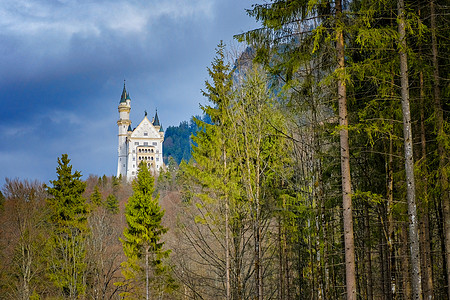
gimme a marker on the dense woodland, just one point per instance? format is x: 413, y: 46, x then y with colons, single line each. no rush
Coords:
x: 321, y: 172
x: 177, y: 139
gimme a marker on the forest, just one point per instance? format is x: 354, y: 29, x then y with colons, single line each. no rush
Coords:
x: 177, y: 139
x: 320, y: 172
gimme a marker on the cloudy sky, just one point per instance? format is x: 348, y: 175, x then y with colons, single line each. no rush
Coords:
x: 62, y: 66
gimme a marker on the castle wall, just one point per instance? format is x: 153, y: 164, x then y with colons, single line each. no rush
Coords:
x: 144, y: 143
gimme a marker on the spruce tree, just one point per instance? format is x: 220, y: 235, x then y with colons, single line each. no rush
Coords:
x: 293, y: 39
x: 142, y: 237
x: 112, y: 204
x: 212, y: 168
x: 68, y: 215
x: 96, y: 197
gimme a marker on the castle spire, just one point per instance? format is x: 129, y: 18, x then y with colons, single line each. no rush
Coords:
x: 124, y: 96
x: 156, y: 119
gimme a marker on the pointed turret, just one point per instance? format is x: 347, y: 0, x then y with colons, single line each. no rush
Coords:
x: 123, y: 98
x: 124, y: 125
x: 156, y: 119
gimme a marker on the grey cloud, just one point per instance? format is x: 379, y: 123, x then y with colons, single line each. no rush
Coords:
x: 70, y: 58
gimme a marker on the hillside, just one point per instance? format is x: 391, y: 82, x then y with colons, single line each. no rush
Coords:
x: 177, y: 139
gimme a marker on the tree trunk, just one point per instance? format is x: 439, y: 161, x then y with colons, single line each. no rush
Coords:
x: 227, y: 234
x: 147, y: 295
x: 350, y: 273
x: 258, y: 266
x: 427, y: 270
x: 281, y: 253
x: 368, y: 255
x: 383, y: 258
x: 404, y: 261
x: 391, y: 227
x: 443, y: 176
x: 416, y: 278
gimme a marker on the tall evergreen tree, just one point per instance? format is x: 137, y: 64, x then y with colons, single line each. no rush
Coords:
x: 211, y: 169
x: 142, y: 242
x: 283, y: 37
x: 236, y: 168
x: 416, y: 274
x: 68, y: 215
x: 112, y: 204
x: 96, y: 197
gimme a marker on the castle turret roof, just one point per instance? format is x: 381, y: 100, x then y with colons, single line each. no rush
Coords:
x: 124, y: 96
x: 156, y: 119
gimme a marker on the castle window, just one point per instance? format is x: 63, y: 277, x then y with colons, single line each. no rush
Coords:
x: 134, y: 158
x: 157, y: 159
x: 132, y: 173
x: 134, y: 151
x: 136, y: 143
x: 155, y: 143
x: 145, y: 150
x: 152, y: 150
x: 145, y: 133
x: 145, y: 143
x: 152, y: 157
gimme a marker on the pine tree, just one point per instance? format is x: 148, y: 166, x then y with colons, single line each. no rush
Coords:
x: 96, y: 197
x: 295, y: 32
x: 142, y: 237
x: 68, y: 215
x: 212, y: 174
x: 112, y: 204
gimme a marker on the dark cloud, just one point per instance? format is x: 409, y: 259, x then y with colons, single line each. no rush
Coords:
x: 62, y: 65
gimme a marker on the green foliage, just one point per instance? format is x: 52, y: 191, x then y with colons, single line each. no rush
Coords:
x: 112, y: 204
x: 232, y: 181
x: 96, y: 197
x: 142, y: 236
x: 177, y: 139
x: 167, y: 177
x: 68, y: 215
x: 67, y: 205
x: 115, y: 182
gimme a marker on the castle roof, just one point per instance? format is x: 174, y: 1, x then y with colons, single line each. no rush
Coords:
x: 156, y: 119
x: 147, y: 129
x: 125, y: 96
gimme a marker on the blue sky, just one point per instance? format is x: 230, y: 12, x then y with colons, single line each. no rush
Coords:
x: 62, y: 66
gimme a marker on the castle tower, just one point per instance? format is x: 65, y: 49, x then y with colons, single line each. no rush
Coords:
x: 142, y: 144
x: 124, y: 125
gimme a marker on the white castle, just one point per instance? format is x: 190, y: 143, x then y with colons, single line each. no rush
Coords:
x: 143, y: 143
